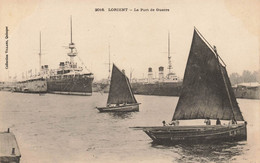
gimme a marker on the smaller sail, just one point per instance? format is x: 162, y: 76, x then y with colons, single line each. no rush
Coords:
x: 120, y: 89
x: 236, y: 110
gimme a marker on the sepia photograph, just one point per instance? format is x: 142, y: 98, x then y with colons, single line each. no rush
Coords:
x: 129, y: 81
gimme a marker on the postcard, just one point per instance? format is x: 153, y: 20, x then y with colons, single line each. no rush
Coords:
x: 129, y: 81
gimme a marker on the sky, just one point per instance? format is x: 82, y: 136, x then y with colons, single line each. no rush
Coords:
x: 138, y: 39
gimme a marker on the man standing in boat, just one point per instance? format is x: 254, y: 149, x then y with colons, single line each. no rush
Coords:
x: 233, y: 121
x: 218, y: 122
x: 207, y: 121
x: 175, y: 122
x: 164, y: 123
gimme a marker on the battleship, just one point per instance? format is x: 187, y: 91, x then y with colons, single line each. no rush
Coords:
x: 70, y: 78
x: 168, y: 85
x: 33, y: 84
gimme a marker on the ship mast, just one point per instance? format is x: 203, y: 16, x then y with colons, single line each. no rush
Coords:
x: 169, y: 55
x: 40, y: 54
x: 225, y: 82
x: 109, y: 66
x: 221, y: 70
x: 72, y: 48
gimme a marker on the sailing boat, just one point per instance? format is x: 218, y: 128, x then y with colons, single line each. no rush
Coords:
x: 206, y: 93
x: 121, y: 97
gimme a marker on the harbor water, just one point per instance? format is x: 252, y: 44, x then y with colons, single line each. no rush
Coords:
x: 54, y: 128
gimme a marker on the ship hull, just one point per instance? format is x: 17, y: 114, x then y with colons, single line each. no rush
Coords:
x: 247, y: 93
x: 100, y: 87
x: 159, y: 89
x: 31, y: 86
x: 196, y: 134
x: 126, y: 108
x: 71, y: 86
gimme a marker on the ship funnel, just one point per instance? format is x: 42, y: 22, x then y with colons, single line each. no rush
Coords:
x: 150, y: 74
x: 61, y: 64
x: 161, y: 73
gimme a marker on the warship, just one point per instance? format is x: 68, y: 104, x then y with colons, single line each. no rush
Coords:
x: 70, y: 78
x: 33, y: 84
x: 169, y: 85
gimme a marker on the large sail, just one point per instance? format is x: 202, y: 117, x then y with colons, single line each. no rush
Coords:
x: 120, y: 90
x: 206, y: 90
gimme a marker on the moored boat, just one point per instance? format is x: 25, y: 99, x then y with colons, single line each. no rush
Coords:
x: 206, y: 94
x: 9, y: 151
x: 33, y: 84
x: 121, y: 97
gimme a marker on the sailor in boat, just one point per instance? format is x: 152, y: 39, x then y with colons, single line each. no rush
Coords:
x: 175, y: 122
x: 218, y: 122
x: 164, y: 123
x: 232, y: 121
x: 207, y: 121
x: 123, y: 104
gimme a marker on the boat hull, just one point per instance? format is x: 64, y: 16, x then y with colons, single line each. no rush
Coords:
x: 126, y: 108
x: 196, y: 134
x: 159, y: 89
x: 71, y: 86
x: 31, y: 86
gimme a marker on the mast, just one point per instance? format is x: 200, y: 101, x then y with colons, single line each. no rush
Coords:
x: 209, y: 45
x: 130, y: 89
x: 71, y: 29
x: 109, y: 66
x: 169, y: 55
x: 225, y: 82
x: 40, y: 54
x: 72, y: 48
x: 222, y: 73
x: 131, y: 73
